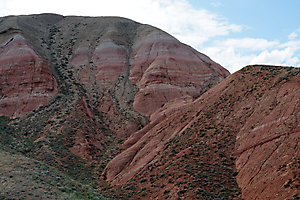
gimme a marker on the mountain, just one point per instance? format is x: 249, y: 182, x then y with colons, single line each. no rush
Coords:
x: 124, y: 110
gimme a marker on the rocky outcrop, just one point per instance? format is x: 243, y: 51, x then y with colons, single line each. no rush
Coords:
x: 26, y: 81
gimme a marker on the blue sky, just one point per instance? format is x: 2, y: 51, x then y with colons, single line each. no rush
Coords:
x: 234, y: 33
x: 265, y: 19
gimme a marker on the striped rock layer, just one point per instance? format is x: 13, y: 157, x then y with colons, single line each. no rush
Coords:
x: 26, y: 82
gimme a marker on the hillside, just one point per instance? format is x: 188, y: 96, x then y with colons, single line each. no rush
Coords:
x: 24, y: 178
x: 122, y: 110
x: 240, y: 137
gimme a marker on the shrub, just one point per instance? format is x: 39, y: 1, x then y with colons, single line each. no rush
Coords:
x: 143, y: 180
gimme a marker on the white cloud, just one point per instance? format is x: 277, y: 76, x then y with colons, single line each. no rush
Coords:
x: 295, y: 45
x: 276, y: 56
x: 228, y: 57
x: 4, y: 8
x: 234, y: 54
x: 216, y: 4
x: 248, y: 43
x: 293, y: 35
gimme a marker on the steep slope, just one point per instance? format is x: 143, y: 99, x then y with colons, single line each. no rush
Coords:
x: 76, y: 87
x: 250, y: 119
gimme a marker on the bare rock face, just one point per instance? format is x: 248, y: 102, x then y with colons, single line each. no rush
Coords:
x: 26, y: 81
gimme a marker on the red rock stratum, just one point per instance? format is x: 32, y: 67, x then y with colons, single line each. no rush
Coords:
x: 26, y: 81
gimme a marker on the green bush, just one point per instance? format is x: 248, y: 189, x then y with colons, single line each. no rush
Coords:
x: 143, y: 180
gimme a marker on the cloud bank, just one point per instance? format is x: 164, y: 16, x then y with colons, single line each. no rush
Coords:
x: 237, y: 53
